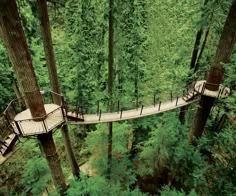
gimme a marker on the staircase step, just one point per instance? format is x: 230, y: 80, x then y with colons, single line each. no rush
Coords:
x: 190, y: 95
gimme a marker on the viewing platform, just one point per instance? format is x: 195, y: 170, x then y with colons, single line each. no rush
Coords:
x: 200, y: 88
x: 24, y: 124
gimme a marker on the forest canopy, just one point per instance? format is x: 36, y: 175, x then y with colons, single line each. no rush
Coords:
x: 112, y: 56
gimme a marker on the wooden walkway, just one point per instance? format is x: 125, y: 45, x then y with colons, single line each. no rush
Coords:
x: 129, y: 114
x: 190, y: 97
x: 26, y: 126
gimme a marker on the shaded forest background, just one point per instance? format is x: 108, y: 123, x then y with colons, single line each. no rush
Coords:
x: 153, y: 44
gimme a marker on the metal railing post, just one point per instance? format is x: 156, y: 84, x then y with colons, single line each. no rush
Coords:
x: 51, y: 97
x: 203, y: 88
x: 118, y: 106
x: 177, y: 98
x: 159, y: 106
x: 219, y: 93
x: 63, y: 113
x: 222, y: 91
x: 136, y: 102
x: 154, y: 100
x: 8, y: 117
x: 13, y: 106
x: 100, y: 113
x: 18, y: 127
x: 98, y: 107
x: 62, y: 101
x: 141, y: 110
x: 44, y: 126
x: 82, y: 114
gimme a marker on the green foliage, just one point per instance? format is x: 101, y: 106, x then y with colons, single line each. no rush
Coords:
x: 36, y: 176
x: 96, y: 145
x: 171, y: 39
x: 85, y: 48
x: 222, y: 174
x: 6, y: 77
x: 168, y: 149
x: 167, y: 191
x: 152, y: 48
x: 98, y: 185
x: 130, y: 44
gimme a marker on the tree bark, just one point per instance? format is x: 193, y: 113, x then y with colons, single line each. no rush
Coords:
x: 182, y: 114
x: 48, y: 48
x: 192, y: 65
x: 221, y: 123
x: 14, y: 40
x: 11, y: 32
x: 48, y: 148
x: 52, y: 69
x: 196, y: 48
x: 70, y: 153
x: 215, y: 76
x: 16, y: 90
x: 196, y: 66
x: 194, y: 58
x: 110, y: 84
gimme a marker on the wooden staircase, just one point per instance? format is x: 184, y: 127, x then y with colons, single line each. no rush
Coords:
x: 8, y: 144
x: 190, y: 95
x: 73, y: 116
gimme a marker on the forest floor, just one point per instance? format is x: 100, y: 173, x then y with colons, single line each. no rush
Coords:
x: 86, y: 168
x: 4, y: 158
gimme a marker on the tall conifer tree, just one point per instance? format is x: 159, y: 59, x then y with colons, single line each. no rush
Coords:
x: 216, y: 73
x: 110, y: 84
x: 51, y: 64
x: 12, y: 34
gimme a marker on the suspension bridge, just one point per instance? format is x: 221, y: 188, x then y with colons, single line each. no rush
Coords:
x: 19, y: 122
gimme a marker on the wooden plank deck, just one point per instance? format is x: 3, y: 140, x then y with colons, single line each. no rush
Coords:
x: 131, y: 114
x: 9, y: 142
x: 30, y: 127
x: 199, y: 87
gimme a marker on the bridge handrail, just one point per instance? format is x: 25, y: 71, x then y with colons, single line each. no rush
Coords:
x: 11, y: 111
x: 41, y: 120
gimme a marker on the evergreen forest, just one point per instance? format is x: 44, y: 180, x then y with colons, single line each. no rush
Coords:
x: 111, y: 56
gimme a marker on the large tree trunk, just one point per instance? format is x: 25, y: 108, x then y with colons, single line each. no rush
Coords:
x: 110, y: 84
x: 51, y: 64
x: 215, y: 76
x: 49, y: 150
x: 194, y: 59
x: 196, y: 48
x: 196, y: 66
x: 11, y: 32
x: 16, y: 90
x: 14, y: 40
x: 192, y: 65
x: 48, y: 48
x: 71, y: 156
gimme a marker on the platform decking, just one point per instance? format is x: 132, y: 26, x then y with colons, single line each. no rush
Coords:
x: 30, y: 127
x: 221, y: 92
x: 130, y: 114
